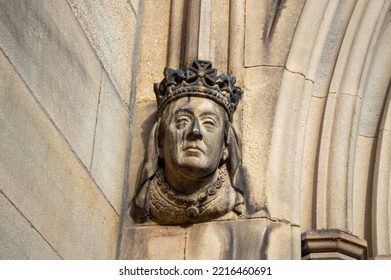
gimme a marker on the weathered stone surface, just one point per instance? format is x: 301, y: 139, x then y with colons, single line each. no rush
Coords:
x: 332, y: 244
x: 259, y: 104
x: 381, y: 212
x: 280, y: 245
x: 47, y: 46
x: 367, y: 15
x: 219, y: 31
x: 236, y: 40
x: 201, y: 33
x: 269, y: 31
x: 382, y: 257
x: 45, y: 180
x: 310, y: 160
x: 375, y: 91
x: 111, y: 28
x: 285, y: 152
x: 135, y: 5
x: 243, y: 239
x: 18, y: 239
x: 48, y: 116
x: 330, y: 53
x: 310, y: 35
x: 193, y: 32
x: 247, y: 239
x: 153, y: 242
x: 175, y: 35
x: 333, y: 191
x: 295, y: 242
x: 154, y: 36
x: 256, y: 13
x: 364, y: 165
x: 111, y: 141
x: 145, y: 117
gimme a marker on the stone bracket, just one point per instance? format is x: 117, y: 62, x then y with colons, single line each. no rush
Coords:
x: 332, y: 244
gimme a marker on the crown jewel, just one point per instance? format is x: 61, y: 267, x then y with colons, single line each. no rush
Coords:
x: 201, y: 80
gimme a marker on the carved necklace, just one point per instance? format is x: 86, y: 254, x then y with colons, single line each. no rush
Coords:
x: 171, y: 207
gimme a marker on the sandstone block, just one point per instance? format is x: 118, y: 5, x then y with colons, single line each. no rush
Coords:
x: 280, y: 243
x: 153, y: 242
x: 244, y: 239
x: 18, y: 240
x: 332, y: 244
x: 219, y: 35
x: 47, y: 46
x: 259, y: 105
x: 46, y: 181
x: 283, y: 184
x: 269, y: 31
x: 155, y: 33
x: 111, y: 141
x: 111, y: 28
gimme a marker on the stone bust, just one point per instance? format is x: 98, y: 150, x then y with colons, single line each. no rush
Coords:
x: 192, y: 171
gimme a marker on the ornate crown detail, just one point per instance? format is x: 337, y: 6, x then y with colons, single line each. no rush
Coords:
x: 200, y: 79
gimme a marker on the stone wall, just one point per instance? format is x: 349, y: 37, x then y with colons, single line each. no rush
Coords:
x: 77, y: 106
x: 66, y: 74
x: 315, y: 76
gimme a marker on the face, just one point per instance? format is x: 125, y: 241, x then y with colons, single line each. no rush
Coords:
x: 193, y: 141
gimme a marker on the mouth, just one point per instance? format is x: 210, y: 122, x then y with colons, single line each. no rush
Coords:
x: 193, y: 149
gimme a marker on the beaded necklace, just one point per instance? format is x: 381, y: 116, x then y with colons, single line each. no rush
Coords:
x: 168, y: 204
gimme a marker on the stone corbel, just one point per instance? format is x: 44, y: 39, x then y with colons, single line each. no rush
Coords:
x: 332, y: 244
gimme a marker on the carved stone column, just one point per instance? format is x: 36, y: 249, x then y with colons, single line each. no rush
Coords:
x: 332, y: 244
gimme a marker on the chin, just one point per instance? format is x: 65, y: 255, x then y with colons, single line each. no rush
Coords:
x: 195, y: 165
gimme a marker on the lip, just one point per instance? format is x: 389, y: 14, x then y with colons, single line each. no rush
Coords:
x: 193, y: 149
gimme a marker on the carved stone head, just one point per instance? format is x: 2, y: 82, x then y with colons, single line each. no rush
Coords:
x: 192, y: 171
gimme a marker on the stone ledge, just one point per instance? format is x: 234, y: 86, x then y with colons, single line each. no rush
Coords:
x: 332, y: 244
x: 381, y: 257
x: 245, y: 239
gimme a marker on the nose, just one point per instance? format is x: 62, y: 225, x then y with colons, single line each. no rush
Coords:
x: 195, y: 130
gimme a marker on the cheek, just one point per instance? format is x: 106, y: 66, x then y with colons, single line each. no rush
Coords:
x: 215, y: 141
x: 175, y: 139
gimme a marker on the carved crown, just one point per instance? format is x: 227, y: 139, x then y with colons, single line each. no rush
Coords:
x: 201, y: 80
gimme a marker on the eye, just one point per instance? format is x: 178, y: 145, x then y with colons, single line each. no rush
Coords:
x: 182, y: 121
x: 209, y: 122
